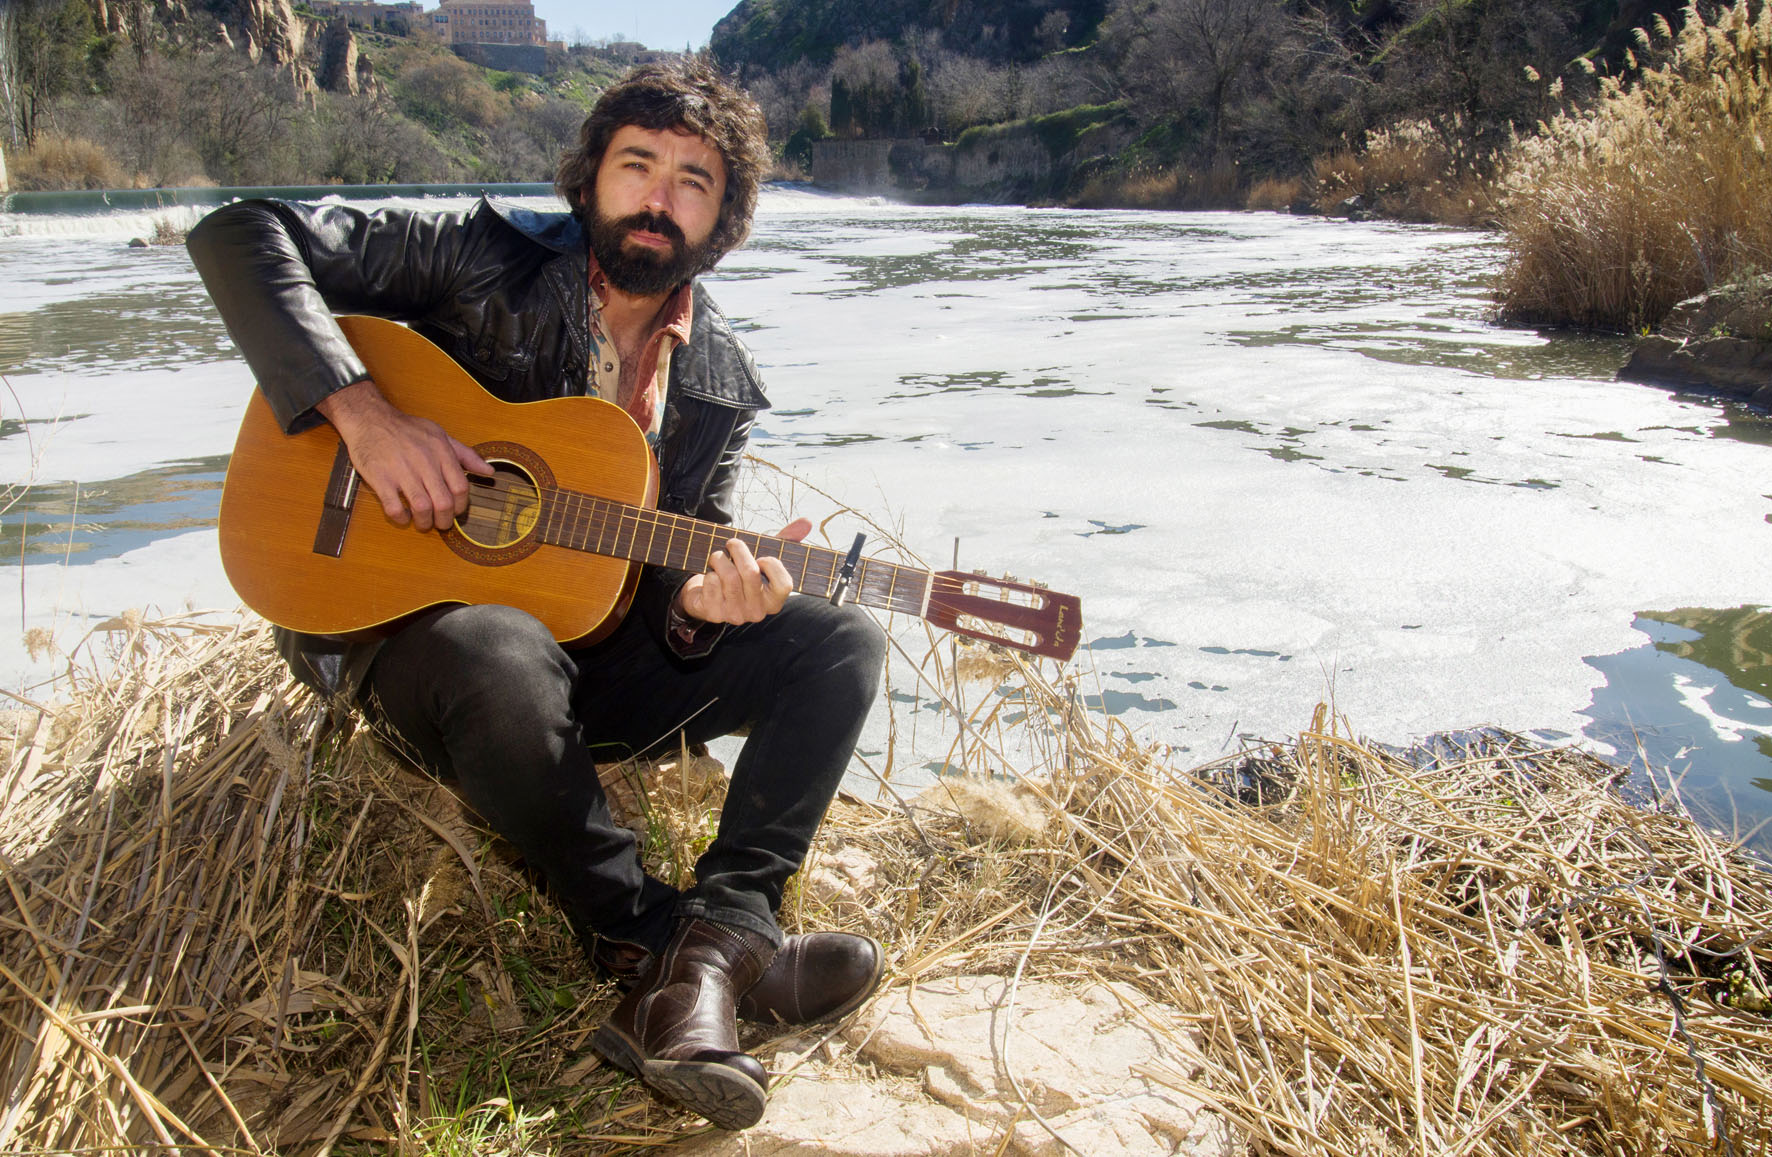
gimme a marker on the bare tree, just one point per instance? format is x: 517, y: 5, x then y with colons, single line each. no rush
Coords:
x: 1474, y: 69
x: 238, y: 116
x: 46, y: 47
x: 1192, y: 58
x: 8, y: 101
x: 968, y: 91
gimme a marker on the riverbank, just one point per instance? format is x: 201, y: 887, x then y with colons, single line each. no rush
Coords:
x: 229, y: 922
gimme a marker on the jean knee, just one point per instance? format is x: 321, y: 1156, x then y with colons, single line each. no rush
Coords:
x: 860, y: 647
x: 497, y: 647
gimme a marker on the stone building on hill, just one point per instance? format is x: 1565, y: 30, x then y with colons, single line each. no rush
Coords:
x: 399, y: 18
x: 489, y: 22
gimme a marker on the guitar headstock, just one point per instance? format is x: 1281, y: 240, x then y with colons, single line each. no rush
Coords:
x: 1022, y: 616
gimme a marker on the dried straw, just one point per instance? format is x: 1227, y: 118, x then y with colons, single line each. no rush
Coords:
x: 231, y: 925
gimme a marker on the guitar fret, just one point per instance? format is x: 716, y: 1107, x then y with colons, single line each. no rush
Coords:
x: 584, y: 519
x: 613, y: 529
x: 621, y: 539
x: 560, y: 519
x: 547, y: 526
x: 706, y: 551
x: 573, y: 528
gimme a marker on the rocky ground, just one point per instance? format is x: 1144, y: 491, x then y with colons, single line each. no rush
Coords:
x: 1720, y: 340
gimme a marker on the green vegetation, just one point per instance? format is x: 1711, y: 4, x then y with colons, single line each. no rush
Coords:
x: 1060, y: 132
x: 156, y: 98
x: 1659, y: 191
x: 1262, y: 90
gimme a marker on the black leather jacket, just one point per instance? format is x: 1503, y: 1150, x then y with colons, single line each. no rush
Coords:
x: 503, y: 290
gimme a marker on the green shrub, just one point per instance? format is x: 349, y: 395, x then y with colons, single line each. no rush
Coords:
x: 1616, y: 214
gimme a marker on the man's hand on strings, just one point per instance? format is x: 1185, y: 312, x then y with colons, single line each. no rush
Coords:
x: 416, y: 469
x: 738, y: 587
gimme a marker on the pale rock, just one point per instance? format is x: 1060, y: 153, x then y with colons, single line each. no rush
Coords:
x: 691, y: 783
x: 339, y: 69
x: 929, y: 1076
x: 1720, y: 340
x: 839, y: 877
x: 1083, y: 1061
x: 818, y: 1111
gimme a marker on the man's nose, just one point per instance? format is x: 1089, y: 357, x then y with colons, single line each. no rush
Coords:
x: 658, y: 195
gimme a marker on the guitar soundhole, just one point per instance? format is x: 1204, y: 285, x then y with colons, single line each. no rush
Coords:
x: 502, y: 509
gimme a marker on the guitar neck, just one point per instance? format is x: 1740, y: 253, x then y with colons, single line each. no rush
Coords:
x: 585, y: 522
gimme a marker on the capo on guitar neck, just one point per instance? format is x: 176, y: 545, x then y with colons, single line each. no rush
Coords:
x: 847, y: 571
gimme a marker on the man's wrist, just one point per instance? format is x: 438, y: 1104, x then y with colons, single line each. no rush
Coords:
x: 346, y: 406
x: 680, y: 624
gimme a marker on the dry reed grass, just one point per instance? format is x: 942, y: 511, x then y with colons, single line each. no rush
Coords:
x: 1660, y: 191
x: 67, y: 163
x: 1405, y: 173
x: 1275, y: 194
x: 1218, y: 188
x: 229, y: 926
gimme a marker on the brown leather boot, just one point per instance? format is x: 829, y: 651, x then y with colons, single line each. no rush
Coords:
x: 677, y: 1030
x: 816, y: 978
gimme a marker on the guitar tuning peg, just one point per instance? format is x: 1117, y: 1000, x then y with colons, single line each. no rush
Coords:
x: 979, y: 574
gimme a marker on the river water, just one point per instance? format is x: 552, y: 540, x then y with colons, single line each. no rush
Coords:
x: 1282, y: 460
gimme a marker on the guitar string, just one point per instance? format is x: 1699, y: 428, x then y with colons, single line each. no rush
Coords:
x: 946, y: 593
x: 598, y: 520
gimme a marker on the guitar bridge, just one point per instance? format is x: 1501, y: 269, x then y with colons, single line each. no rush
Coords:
x: 335, y: 509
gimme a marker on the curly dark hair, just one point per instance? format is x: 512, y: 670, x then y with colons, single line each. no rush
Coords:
x: 684, y: 95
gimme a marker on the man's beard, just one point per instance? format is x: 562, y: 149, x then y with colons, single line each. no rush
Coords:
x: 639, y: 270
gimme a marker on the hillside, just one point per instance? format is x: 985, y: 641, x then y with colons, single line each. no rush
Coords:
x: 103, y: 94
x: 1224, y: 93
x: 764, y: 36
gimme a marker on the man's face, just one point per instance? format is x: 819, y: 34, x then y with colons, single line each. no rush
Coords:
x: 656, y: 201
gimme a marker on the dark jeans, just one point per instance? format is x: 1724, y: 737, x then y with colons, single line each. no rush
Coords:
x: 486, y: 699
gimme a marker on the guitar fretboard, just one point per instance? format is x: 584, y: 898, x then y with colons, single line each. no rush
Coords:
x: 615, y: 529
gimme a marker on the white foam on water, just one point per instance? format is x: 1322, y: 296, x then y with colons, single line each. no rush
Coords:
x: 1281, y: 460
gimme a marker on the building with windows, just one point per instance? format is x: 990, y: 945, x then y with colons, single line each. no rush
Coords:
x: 399, y: 18
x: 488, y: 22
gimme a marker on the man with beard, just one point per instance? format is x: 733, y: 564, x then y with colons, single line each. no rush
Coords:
x: 601, y: 300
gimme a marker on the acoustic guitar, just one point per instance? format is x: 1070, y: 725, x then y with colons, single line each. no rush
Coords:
x: 560, y: 530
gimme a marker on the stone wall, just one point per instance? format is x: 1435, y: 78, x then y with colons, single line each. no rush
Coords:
x: 531, y: 58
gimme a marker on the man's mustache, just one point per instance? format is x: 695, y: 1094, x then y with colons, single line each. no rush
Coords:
x: 650, y: 222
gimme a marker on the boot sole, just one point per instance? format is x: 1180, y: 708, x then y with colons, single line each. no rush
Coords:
x: 718, y: 1092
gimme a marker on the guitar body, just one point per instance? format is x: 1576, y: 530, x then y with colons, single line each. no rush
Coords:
x: 307, y: 551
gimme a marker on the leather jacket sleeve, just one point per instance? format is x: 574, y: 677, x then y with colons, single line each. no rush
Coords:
x: 278, y: 271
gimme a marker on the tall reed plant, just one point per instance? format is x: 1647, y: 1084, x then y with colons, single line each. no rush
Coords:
x: 1657, y: 192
